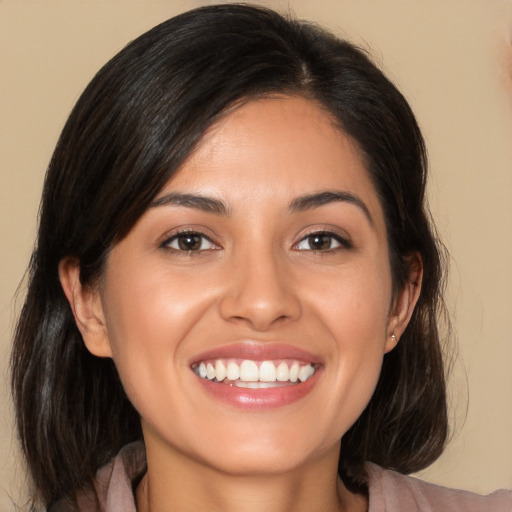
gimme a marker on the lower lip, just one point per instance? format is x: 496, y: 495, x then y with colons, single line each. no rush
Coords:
x: 258, y: 399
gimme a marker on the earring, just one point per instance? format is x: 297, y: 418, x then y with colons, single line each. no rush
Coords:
x: 393, y: 337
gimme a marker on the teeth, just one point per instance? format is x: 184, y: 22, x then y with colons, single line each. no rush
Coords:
x: 210, y: 371
x: 294, y: 372
x: 253, y: 374
x: 305, y: 372
x: 283, y: 372
x: 220, y: 371
x: 232, y: 371
x: 268, y: 372
x: 249, y: 371
x: 258, y: 385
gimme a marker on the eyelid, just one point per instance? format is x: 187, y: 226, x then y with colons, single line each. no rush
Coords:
x: 344, y: 241
x: 174, y: 235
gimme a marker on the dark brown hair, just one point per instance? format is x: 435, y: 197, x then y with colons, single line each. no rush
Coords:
x: 136, y: 122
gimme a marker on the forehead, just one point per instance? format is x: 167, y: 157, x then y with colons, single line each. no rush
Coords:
x: 274, y: 149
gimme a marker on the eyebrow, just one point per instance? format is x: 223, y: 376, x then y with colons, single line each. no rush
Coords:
x: 310, y: 201
x: 299, y: 204
x: 198, y: 202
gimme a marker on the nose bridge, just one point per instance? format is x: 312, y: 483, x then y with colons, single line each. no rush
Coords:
x: 260, y: 289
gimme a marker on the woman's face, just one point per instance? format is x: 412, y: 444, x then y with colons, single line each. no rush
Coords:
x: 265, y: 256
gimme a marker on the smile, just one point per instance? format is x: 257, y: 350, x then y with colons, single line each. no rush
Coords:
x: 255, y: 374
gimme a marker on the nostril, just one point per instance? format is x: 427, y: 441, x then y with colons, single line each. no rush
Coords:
x: 260, y: 294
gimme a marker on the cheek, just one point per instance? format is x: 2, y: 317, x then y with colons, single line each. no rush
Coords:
x: 146, y: 318
x: 355, y: 303
x: 355, y: 310
x: 148, y: 306
x: 154, y: 319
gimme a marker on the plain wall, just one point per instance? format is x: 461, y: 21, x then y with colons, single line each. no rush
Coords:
x: 453, y: 61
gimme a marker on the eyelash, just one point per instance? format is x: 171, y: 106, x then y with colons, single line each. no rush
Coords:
x: 343, y: 242
x: 167, y: 243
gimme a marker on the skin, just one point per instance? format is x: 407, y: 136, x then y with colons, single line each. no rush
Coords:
x: 256, y: 276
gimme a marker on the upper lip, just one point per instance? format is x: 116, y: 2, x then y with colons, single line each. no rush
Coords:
x: 257, y: 351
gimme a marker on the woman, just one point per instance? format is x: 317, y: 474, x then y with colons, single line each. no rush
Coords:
x: 236, y: 284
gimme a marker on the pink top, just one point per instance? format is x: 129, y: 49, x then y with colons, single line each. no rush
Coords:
x: 388, y: 491
x: 393, y: 492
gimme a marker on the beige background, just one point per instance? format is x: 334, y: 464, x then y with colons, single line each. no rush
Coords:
x: 453, y: 61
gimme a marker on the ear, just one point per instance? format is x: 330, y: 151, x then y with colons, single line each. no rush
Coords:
x: 405, y: 301
x: 87, y: 308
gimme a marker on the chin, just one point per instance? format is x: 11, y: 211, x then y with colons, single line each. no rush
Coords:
x: 257, y: 463
x: 266, y: 454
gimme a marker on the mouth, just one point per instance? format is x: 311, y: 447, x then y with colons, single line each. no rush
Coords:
x: 254, y: 374
x: 257, y: 376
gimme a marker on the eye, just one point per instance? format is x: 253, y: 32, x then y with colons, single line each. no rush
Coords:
x: 322, y: 241
x: 189, y: 241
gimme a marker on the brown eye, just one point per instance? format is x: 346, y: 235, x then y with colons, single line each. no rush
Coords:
x: 189, y: 242
x: 321, y: 242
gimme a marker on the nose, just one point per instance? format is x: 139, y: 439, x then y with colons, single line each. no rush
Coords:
x: 260, y: 292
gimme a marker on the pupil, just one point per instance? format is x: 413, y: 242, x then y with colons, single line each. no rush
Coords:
x: 320, y: 242
x: 189, y: 242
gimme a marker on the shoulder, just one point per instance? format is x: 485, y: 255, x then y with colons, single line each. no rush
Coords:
x: 393, y: 492
x: 113, y: 485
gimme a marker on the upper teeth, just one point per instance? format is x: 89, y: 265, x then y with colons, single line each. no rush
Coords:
x: 254, y: 371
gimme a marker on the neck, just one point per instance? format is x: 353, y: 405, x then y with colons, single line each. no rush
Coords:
x: 179, y: 484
